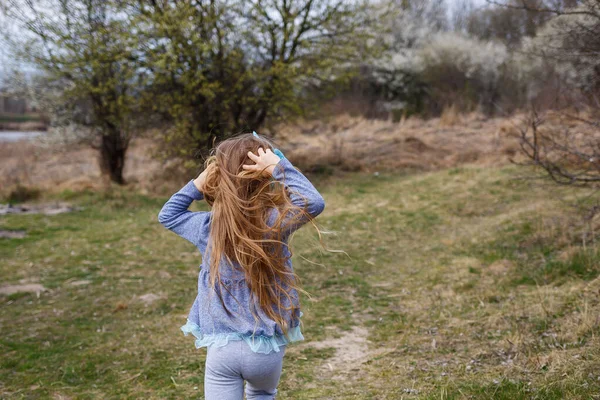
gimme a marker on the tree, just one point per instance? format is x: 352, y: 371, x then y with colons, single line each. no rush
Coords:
x: 220, y: 66
x: 88, y: 50
x: 569, y: 154
x: 571, y: 41
x: 433, y: 13
x: 508, y: 22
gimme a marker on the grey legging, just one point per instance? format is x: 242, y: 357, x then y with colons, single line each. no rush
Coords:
x: 227, y: 368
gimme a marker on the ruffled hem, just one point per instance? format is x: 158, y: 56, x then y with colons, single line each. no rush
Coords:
x: 258, y: 343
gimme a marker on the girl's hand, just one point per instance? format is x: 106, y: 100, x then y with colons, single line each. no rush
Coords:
x: 199, y: 181
x: 265, y: 161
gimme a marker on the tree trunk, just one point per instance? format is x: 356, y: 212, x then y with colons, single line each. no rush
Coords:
x: 112, y: 157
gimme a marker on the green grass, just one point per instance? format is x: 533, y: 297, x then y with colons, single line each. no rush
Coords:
x: 456, y: 284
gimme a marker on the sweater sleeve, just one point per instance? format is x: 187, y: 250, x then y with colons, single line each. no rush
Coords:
x: 302, y: 192
x: 193, y: 226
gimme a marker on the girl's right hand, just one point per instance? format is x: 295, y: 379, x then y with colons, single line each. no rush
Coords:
x: 265, y: 161
x: 199, y: 181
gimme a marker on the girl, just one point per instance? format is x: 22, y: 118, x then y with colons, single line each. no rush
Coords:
x: 247, y: 308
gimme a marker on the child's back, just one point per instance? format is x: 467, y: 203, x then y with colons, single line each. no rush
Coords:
x: 247, y: 231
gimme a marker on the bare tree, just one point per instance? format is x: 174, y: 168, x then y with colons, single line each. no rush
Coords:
x: 509, y: 21
x: 569, y: 155
x: 571, y: 43
x: 461, y: 13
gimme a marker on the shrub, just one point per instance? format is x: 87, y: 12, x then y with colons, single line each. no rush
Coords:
x: 462, y: 71
x: 20, y: 194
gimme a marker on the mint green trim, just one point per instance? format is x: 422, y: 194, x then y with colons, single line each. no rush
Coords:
x: 258, y: 343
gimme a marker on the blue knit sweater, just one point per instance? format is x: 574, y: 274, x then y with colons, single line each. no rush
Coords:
x: 207, y: 320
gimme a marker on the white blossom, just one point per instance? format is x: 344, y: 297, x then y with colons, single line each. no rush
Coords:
x: 569, y: 42
x: 477, y: 59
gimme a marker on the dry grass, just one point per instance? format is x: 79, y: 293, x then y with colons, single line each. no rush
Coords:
x: 28, y: 164
x: 340, y: 143
x: 375, y: 145
x: 451, y: 116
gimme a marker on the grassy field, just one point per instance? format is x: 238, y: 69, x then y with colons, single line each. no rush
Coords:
x: 461, y: 283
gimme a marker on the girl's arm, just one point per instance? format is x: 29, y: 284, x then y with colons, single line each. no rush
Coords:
x: 302, y: 193
x: 193, y: 226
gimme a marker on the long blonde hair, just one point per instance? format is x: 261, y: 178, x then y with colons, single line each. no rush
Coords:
x: 241, y: 201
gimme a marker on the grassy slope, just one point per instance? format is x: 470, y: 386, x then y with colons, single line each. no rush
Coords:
x: 460, y: 276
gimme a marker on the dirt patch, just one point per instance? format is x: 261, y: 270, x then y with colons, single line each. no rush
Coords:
x: 82, y: 282
x: 26, y: 288
x: 164, y: 275
x: 414, y: 144
x: 58, y: 396
x: 351, y: 350
x: 149, y: 298
x: 42, y: 208
x: 4, y: 234
x: 500, y: 267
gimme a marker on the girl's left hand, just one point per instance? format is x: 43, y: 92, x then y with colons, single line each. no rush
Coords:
x: 265, y: 161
